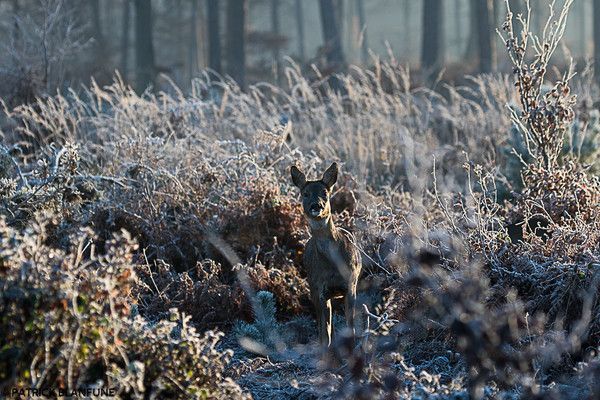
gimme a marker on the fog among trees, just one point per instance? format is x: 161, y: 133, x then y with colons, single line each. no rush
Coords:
x: 54, y: 44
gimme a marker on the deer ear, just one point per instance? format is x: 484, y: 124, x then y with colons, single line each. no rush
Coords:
x: 298, y: 177
x: 330, y: 176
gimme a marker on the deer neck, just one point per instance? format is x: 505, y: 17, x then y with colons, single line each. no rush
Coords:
x: 323, y: 229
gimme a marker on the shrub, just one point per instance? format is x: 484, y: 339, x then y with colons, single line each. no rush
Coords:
x: 67, y: 322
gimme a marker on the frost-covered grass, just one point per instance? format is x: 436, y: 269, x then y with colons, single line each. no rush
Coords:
x: 481, y: 259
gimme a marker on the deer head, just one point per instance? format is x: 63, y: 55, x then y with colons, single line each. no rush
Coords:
x: 316, y: 194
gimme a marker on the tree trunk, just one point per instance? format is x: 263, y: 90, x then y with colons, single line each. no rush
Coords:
x: 275, y: 30
x: 144, y: 48
x: 338, y: 7
x: 496, y: 23
x: 179, y: 71
x: 472, y: 43
x: 236, y: 32
x: 214, y: 36
x: 193, y: 44
x: 457, y: 37
x: 331, y: 34
x: 300, y: 30
x: 432, y: 56
x: 516, y: 8
x: 16, y: 9
x: 597, y: 40
x: 407, y: 25
x: 583, y: 19
x: 537, y: 16
x: 362, y: 25
x: 485, y: 41
x: 99, y: 43
x: 125, y: 38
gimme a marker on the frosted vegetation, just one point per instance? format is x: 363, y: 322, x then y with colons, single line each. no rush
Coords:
x: 153, y: 243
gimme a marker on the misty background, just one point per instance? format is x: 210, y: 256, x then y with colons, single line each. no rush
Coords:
x: 56, y: 44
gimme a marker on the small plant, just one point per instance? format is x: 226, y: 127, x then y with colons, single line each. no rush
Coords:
x: 263, y: 335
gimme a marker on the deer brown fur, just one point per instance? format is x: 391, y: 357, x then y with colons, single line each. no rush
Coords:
x: 330, y: 258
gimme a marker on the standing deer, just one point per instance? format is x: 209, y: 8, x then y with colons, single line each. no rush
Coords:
x: 331, y: 260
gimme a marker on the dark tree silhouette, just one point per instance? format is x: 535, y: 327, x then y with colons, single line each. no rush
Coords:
x: 583, y: 15
x: 192, y: 53
x: 539, y: 14
x: 125, y: 38
x: 362, y: 22
x: 236, y: 38
x: 432, y: 51
x: 16, y: 9
x: 144, y: 48
x: 300, y: 30
x: 339, y: 6
x: 275, y: 30
x: 457, y: 25
x: 406, y: 13
x: 597, y: 40
x: 331, y: 34
x: 214, y: 36
x: 471, y: 51
x: 485, y: 34
x: 516, y: 8
x: 99, y: 43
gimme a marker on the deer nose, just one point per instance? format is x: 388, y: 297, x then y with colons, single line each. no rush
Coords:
x: 316, y: 207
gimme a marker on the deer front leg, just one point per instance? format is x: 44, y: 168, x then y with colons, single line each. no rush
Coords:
x: 349, y: 302
x: 324, y: 322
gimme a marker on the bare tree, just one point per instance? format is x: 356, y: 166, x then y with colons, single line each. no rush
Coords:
x: 485, y: 34
x: 144, y: 47
x: 236, y: 38
x: 432, y: 51
x: 300, y: 30
x: 362, y: 22
x: 331, y: 34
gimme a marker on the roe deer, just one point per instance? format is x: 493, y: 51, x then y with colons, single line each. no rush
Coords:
x: 331, y: 260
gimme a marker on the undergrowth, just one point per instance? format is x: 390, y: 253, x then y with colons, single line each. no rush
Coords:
x: 134, y: 228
